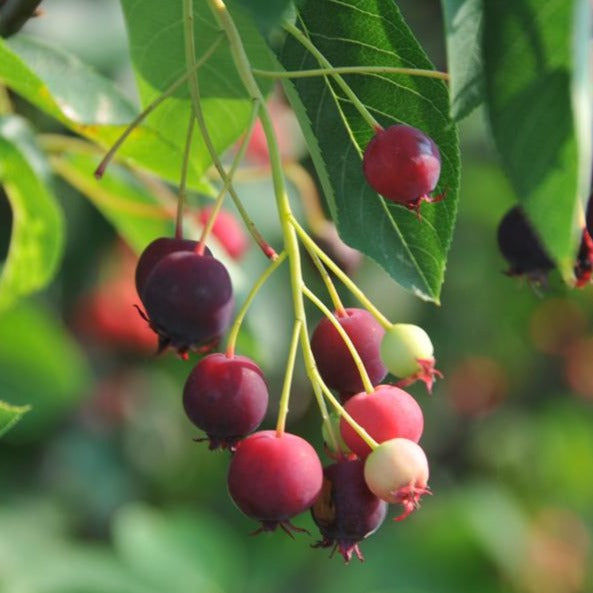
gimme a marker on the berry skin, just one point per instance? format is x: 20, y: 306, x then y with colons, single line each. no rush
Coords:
x: 225, y: 397
x: 155, y: 252
x: 387, y: 413
x: 188, y: 300
x: 397, y: 472
x: 274, y: 478
x: 403, y: 165
x: 228, y: 231
x: 521, y: 247
x: 408, y: 353
x: 346, y: 512
x: 334, y: 361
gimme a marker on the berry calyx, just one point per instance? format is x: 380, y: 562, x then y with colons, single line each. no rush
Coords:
x: 225, y: 397
x: 407, y: 352
x: 346, y: 511
x: 272, y: 478
x: 521, y: 247
x: 188, y: 300
x: 387, y: 413
x: 334, y: 360
x: 403, y: 164
x: 155, y: 252
x: 397, y: 472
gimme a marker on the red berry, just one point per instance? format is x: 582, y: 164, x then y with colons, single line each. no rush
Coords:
x: 226, y: 398
x: 155, y: 252
x: 346, y: 512
x: 228, y: 231
x: 334, y: 361
x: 274, y: 478
x: 387, y: 413
x: 188, y: 300
x: 402, y: 164
x: 397, y: 472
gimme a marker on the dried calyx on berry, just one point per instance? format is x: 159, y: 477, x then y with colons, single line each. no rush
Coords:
x: 521, y: 247
x: 403, y: 164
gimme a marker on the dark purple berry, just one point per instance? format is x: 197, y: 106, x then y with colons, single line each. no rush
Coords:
x: 403, y: 165
x: 521, y: 247
x: 272, y: 478
x: 334, y: 361
x: 347, y: 512
x: 155, y: 251
x: 225, y: 397
x: 188, y: 300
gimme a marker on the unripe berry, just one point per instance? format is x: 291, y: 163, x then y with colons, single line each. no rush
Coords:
x: 397, y: 472
x: 403, y: 165
x: 408, y: 353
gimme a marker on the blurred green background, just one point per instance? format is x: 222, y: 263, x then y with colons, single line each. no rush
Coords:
x: 102, y: 489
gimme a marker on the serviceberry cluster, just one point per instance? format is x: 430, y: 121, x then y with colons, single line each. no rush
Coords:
x: 373, y: 431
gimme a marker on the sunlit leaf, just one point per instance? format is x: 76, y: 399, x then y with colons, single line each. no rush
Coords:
x: 10, y: 415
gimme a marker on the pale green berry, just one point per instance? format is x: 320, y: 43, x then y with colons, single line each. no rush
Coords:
x: 403, y: 345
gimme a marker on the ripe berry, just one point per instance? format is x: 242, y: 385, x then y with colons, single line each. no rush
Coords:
x: 274, y: 478
x: 188, y: 300
x: 153, y: 254
x: 334, y: 361
x: 583, y: 268
x: 387, y: 413
x: 225, y: 397
x: 402, y: 164
x: 397, y: 472
x: 228, y: 231
x: 521, y: 247
x: 407, y: 352
x: 346, y: 512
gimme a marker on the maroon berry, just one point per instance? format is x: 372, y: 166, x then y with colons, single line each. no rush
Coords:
x: 226, y: 398
x: 403, y: 165
x: 521, y: 247
x: 387, y: 413
x: 334, y: 361
x: 346, y: 512
x: 274, y: 478
x: 188, y: 300
x: 153, y: 254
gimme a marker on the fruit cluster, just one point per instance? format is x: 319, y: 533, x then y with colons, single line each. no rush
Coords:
x: 275, y: 475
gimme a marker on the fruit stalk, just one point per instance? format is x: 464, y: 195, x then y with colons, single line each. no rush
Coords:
x: 285, y: 395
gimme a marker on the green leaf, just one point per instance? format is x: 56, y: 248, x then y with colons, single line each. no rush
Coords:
x: 155, y: 31
x: 30, y: 338
x: 87, y: 103
x: 372, y: 33
x: 10, y: 415
x: 266, y: 14
x: 529, y: 56
x: 463, y: 26
x: 37, y: 237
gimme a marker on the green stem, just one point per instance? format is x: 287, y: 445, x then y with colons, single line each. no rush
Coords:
x: 234, y: 332
x: 5, y: 102
x: 285, y: 396
x: 349, y: 70
x: 183, y: 181
x: 323, y: 61
x: 312, y: 247
x: 100, y: 170
x: 329, y: 285
x: 316, y: 380
x: 364, y: 376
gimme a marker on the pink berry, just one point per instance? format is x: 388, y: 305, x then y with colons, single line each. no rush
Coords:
x: 274, y: 478
x: 228, y: 231
x: 334, y: 360
x: 387, y: 413
x: 403, y: 165
x: 397, y: 472
x: 225, y: 397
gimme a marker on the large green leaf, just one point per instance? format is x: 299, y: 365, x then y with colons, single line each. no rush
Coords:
x: 87, y: 103
x: 155, y: 30
x: 10, y: 415
x: 529, y: 56
x: 463, y: 26
x: 373, y: 33
x: 37, y: 236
